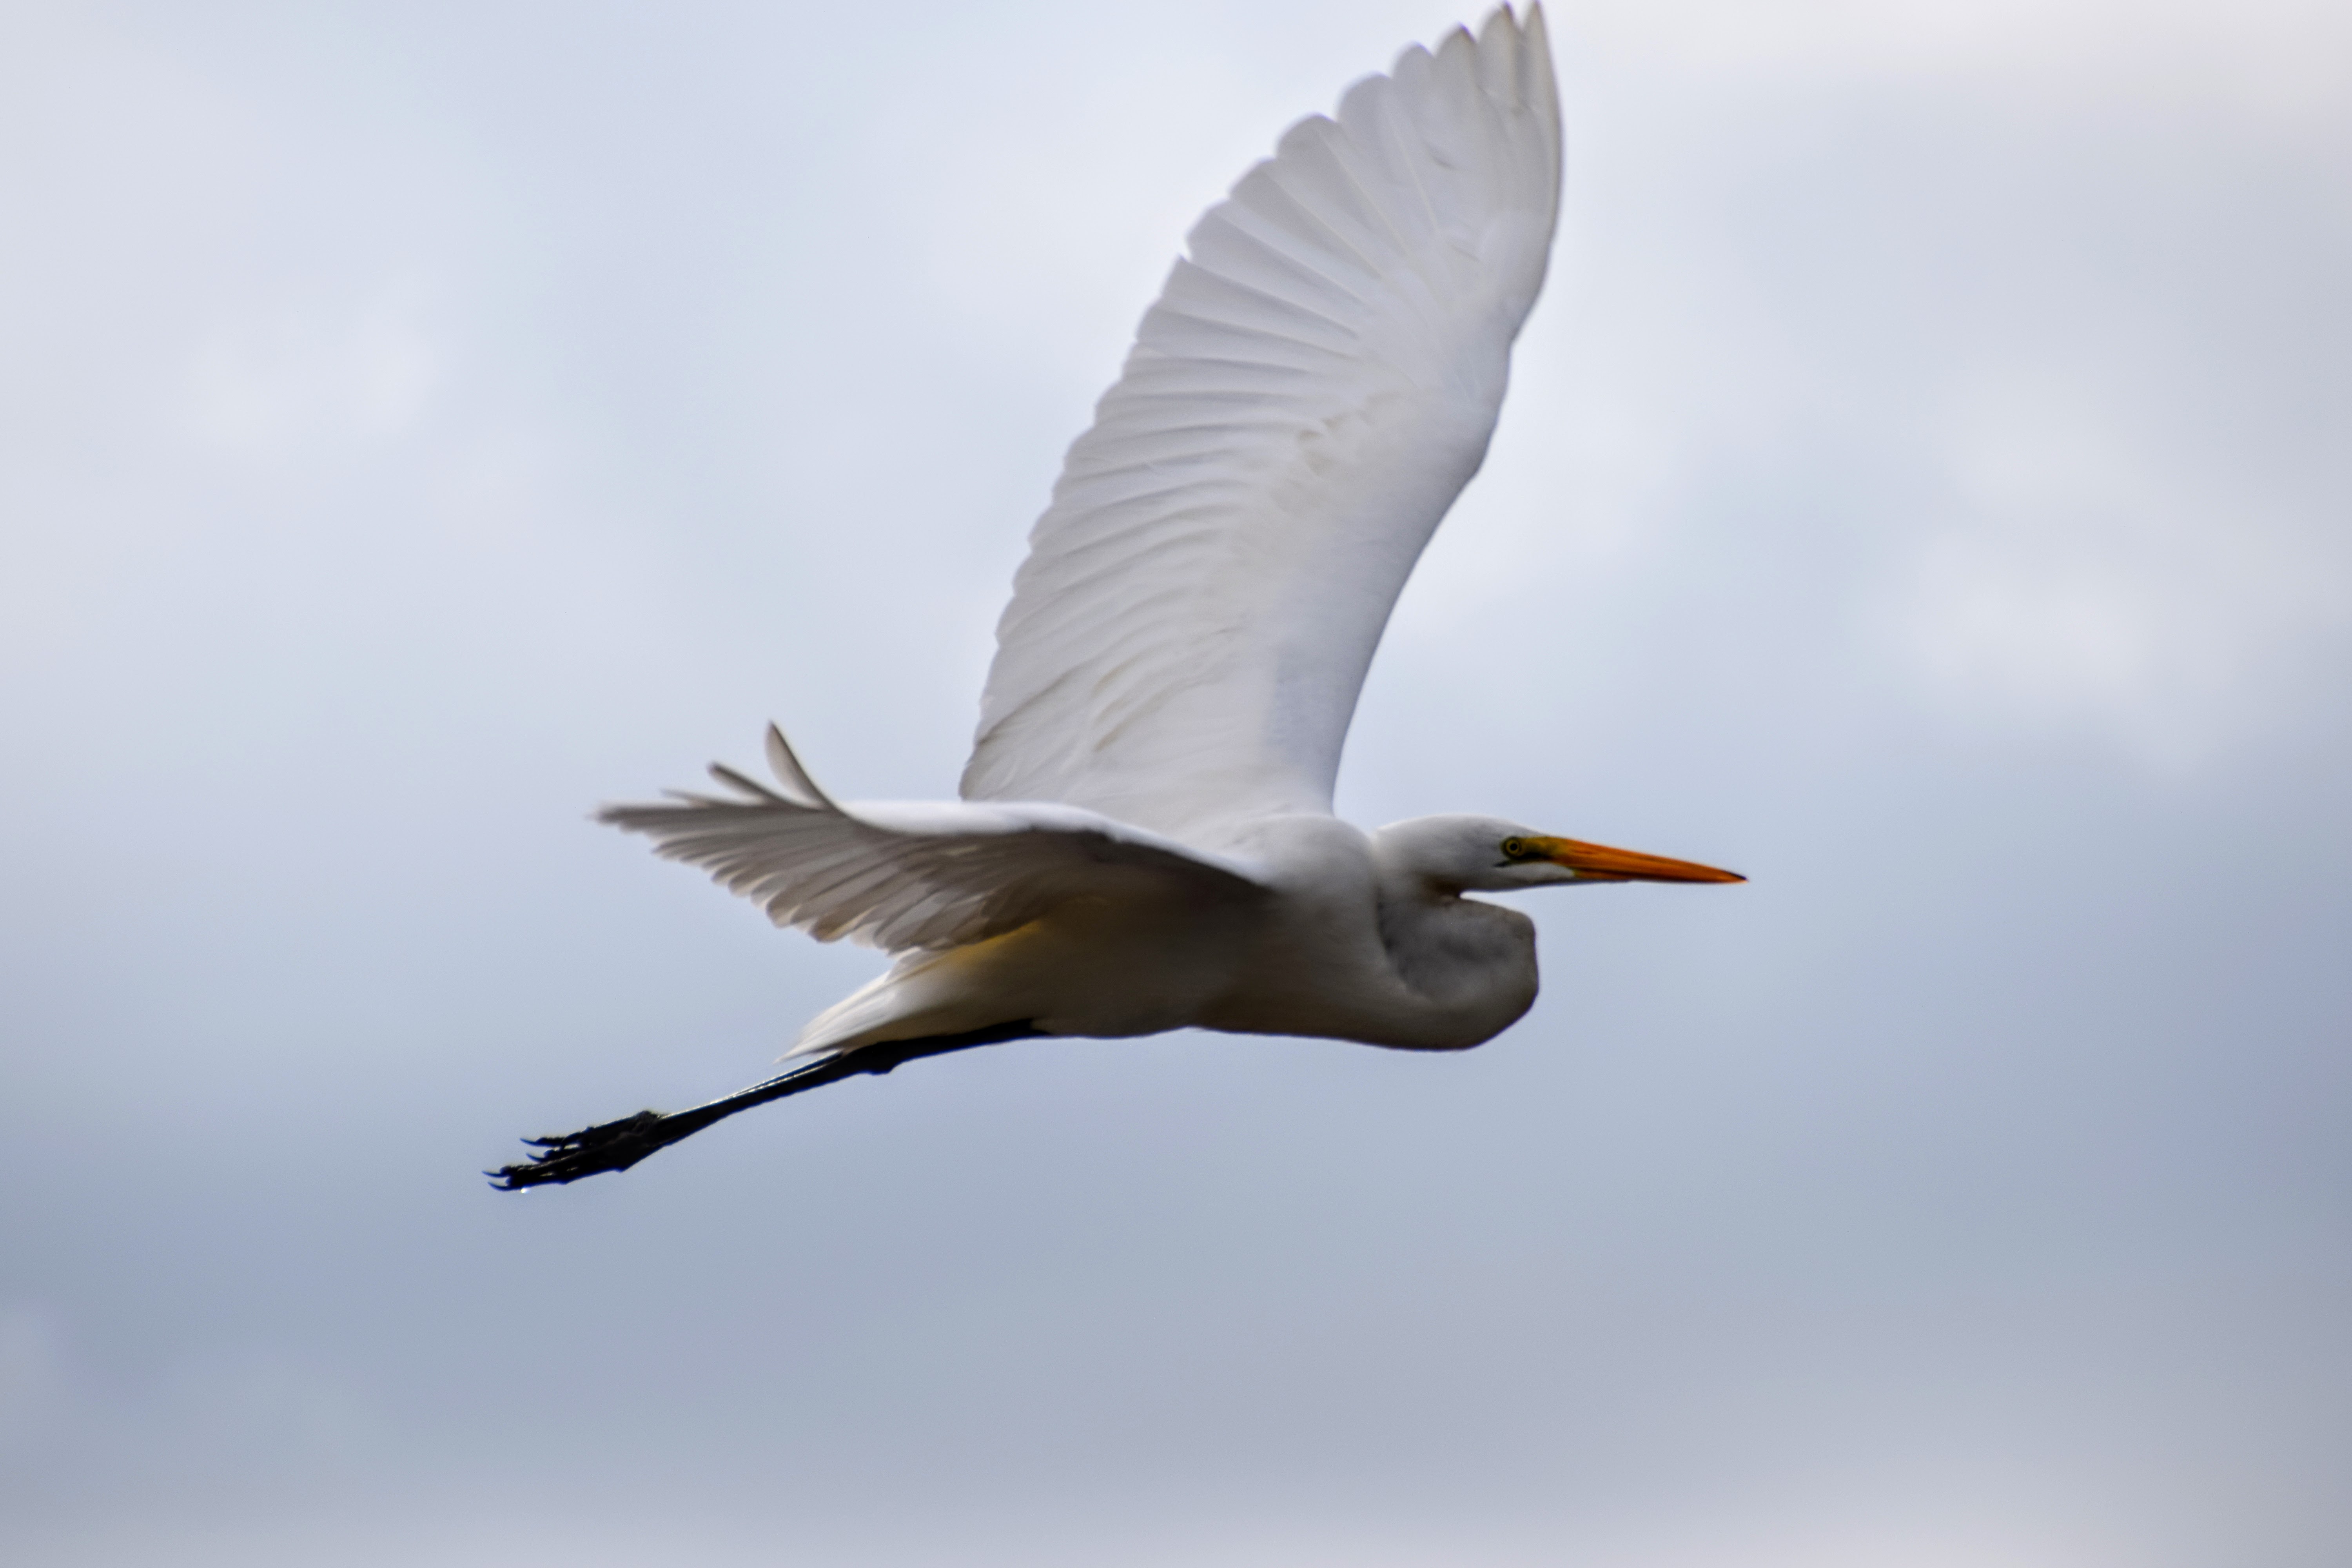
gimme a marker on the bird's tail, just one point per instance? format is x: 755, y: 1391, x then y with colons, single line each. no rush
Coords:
x: 919, y: 996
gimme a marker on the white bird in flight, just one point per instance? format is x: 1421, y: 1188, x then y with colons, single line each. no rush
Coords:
x: 1144, y: 839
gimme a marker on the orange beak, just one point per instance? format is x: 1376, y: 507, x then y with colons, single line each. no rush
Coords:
x: 1598, y: 863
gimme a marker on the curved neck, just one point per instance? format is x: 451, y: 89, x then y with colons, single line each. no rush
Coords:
x: 1457, y: 951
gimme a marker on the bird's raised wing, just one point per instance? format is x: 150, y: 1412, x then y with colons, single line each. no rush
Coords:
x: 1318, y: 382
x: 922, y: 876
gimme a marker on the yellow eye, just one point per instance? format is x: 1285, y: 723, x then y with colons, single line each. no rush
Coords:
x: 1514, y: 848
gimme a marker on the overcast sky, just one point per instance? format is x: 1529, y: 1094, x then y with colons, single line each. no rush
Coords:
x: 1925, y: 487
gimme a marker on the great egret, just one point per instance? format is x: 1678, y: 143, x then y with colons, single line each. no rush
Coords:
x: 1145, y: 838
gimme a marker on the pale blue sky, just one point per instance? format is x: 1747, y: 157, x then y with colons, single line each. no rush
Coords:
x: 1925, y: 488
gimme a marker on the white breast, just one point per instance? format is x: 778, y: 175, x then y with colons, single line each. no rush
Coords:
x: 1344, y: 955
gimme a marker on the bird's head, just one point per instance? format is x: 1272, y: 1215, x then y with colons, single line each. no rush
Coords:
x: 1487, y: 855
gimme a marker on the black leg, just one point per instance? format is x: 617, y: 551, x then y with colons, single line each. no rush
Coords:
x: 618, y: 1145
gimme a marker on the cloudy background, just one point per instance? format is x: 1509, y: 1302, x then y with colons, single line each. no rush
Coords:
x: 1926, y: 489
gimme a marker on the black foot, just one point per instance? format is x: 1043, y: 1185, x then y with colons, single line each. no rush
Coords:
x: 607, y: 1146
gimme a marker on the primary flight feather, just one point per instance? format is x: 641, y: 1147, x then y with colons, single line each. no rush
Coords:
x: 1145, y: 838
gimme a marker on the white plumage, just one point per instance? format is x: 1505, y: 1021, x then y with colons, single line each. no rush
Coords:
x: 921, y: 874
x: 1317, y: 383
x: 1145, y: 840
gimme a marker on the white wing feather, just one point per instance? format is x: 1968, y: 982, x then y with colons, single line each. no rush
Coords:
x: 904, y: 877
x: 1318, y: 382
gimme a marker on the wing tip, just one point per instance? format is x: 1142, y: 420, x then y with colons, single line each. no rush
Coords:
x: 799, y: 788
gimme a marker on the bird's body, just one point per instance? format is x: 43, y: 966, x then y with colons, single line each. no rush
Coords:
x: 1144, y: 839
x: 1336, y: 938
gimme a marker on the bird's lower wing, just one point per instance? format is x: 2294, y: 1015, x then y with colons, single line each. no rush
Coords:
x: 1318, y: 382
x: 903, y: 877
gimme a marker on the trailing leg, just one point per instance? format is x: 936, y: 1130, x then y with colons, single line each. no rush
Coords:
x: 618, y: 1145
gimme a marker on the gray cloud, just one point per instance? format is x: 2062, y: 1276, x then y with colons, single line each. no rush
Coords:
x: 1923, y: 490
